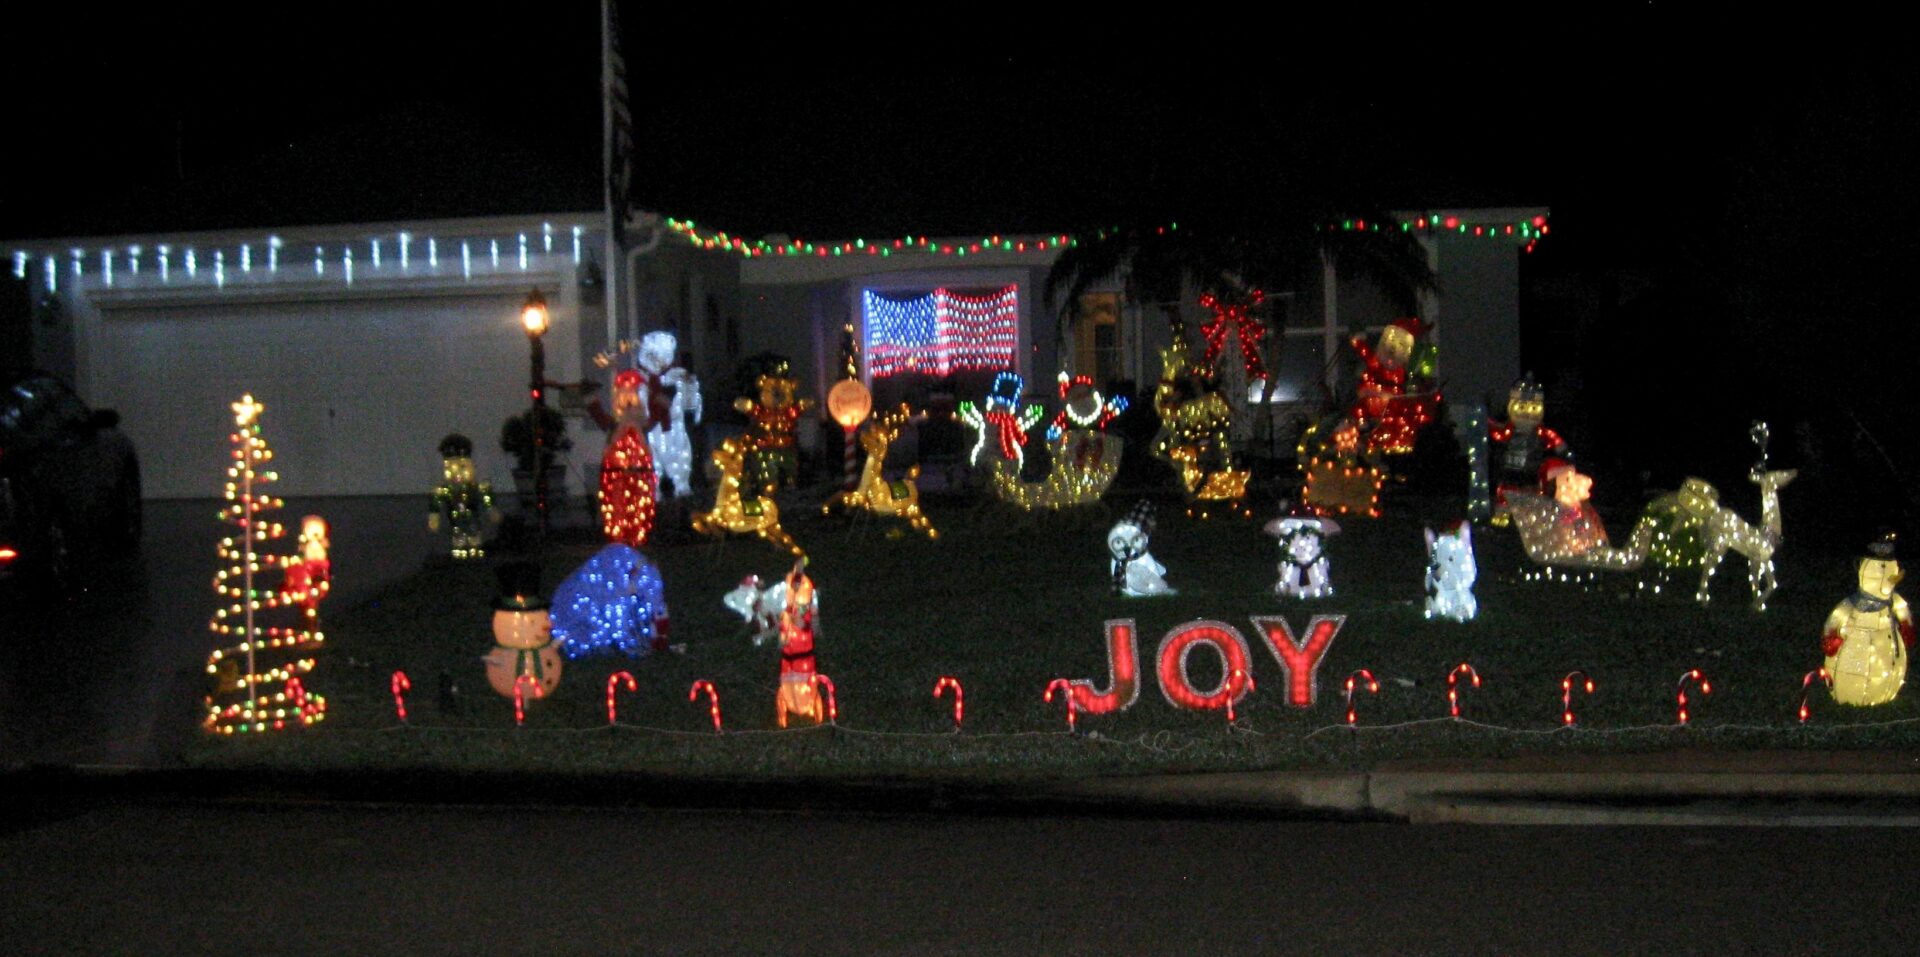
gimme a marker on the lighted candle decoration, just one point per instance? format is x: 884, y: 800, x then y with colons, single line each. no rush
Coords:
x: 877, y: 494
x: 1867, y: 636
x: 462, y: 505
x: 1806, y: 685
x: 401, y: 684
x: 1065, y: 688
x: 1453, y: 690
x: 1695, y: 677
x: 1132, y: 569
x: 735, y: 512
x: 947, y: 683
x: 613, y: 685
x: 713, y: 700
x: 1354, y: 681
x: 1566, y: 695
x: 613, y: 603
x: 1451, y: 571
x: 257, y: 657
x: 1304, y: 569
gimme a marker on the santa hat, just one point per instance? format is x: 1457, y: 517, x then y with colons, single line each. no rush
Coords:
x: 1413, y: 326
x: 1551, y: 469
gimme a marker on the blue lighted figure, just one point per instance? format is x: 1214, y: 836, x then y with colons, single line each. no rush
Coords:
x: 614, y: 602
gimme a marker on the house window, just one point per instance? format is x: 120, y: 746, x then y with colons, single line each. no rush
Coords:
x: 1096, y: 336
x: 941, y: 332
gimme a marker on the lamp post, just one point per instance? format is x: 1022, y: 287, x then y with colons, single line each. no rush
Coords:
x: 533, y: 315
x: 849, y: 403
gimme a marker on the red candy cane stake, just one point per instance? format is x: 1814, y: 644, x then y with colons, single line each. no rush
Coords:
x: 833, y: 710
x: 1372, y: 686
x: 520, y: 697
x: 1806, y: 685
x: 713, y: 700
x: 400, y: 685
x: 613, y: 683
x: 1239, y: 679
x: 1066, y: 691
x: 1566, y: 696
x: 959, y: 705
x: 1705, y: 689
x: 1453, y: 691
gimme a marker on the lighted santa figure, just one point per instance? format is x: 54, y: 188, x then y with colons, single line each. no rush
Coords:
x: 1395, y: 398
x: 309, y: 574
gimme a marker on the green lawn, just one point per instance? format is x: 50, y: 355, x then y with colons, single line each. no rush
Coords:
x: 1006, y: 602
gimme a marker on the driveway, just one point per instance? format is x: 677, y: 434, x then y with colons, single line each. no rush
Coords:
x: 115, y: 677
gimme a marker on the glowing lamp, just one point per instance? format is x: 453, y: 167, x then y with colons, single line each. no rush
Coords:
x: 849, y: 402
x: 533, y: 314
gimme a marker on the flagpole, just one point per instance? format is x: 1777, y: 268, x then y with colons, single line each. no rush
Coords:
x: 610, y: 258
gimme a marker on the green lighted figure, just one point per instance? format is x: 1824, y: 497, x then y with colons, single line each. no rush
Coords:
x: 460, y: 504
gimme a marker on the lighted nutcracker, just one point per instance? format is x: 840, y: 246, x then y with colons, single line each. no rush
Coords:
x: 772, y: 419
x: 522, y: 634
x: 1395, y: 397
x: 797, y: 697
x: 1524, y: 445
x: 627, y: 483
x: 1868, y: 635
x: 461, y: 505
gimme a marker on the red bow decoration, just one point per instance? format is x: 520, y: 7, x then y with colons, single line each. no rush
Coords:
x: 1248, y: 330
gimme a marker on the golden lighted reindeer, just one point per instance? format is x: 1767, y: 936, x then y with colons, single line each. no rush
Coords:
x: 874, y: 493
x: 737, y: 514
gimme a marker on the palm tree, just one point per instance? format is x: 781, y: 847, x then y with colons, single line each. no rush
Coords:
x: 1280, y: 253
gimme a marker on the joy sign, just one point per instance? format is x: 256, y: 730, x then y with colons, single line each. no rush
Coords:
x: 1299, y: 659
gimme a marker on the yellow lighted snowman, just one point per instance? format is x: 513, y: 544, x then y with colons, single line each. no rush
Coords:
x: 1868, y: 634
x: 522, y: 634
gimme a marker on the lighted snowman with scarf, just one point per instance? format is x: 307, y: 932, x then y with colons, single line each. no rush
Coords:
x: 1135, y: 573
x: 1868, y: 635
x: 522, y: 634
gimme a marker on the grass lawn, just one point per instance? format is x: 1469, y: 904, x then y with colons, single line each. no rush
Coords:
x: 1006, y: 602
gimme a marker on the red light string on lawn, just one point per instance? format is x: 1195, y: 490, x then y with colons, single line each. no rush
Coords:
x: 1238, y: 680
x: 1372, y: 686
x: 520, y: 697
x: 1065, y: 688
x: 1453, y: 690
x: 713, y: 700
x: 1806, y: 685
x: 1566, y: 696
x: 400, y: 685
x: 833, y: 710
x: 613, y: 685
x: 1705, y: 689
x: 959, y: 701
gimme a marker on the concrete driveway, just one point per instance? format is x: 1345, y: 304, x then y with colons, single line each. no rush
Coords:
x: 115, y: 676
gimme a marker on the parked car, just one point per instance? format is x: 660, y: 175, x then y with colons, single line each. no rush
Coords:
x: 69, y: 485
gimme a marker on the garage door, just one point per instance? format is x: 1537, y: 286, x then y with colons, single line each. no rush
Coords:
x: 358, y: 392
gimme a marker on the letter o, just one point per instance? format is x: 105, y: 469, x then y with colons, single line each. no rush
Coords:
x: 1225, y: 640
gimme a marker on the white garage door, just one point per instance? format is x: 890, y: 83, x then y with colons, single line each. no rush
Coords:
x: 358, y: 392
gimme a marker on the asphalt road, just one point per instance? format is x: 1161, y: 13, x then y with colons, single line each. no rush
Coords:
x: 407, y: 880
x: 115, y: 676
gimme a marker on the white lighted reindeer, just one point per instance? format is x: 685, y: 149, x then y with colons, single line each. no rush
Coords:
x: 667, y: 436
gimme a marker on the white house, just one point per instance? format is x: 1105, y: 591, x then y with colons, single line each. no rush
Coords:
x: 368, y: 342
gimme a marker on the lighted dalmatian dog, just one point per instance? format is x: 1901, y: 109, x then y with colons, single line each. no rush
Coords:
x: 761, y: 607
x: 1303, y: 555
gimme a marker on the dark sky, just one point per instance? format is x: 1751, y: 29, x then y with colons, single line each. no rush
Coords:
x: 1621, y: 119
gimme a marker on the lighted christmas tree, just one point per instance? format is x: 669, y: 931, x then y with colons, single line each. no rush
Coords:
x: 268, y: 625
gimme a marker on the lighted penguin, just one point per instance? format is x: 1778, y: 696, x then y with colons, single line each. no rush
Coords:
x: 1134, y: 572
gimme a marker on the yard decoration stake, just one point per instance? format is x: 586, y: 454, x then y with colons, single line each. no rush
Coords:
x: 1177, y: 686
x: 613, y: 682
x: 1806, y: 685
x: 959, y: 705
x: 1372, y: 686
x: 713, y: 700
x: 1300, y: 658
x: 401, y: 685
x: 1705, y: 689
x: 1453, y: 690
x: 1242, y: 685
x: 1065, y: 688
x: 520, y: 684
x: 833, y: 710
x: 1123, y: 674
x: 1566, y: 696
